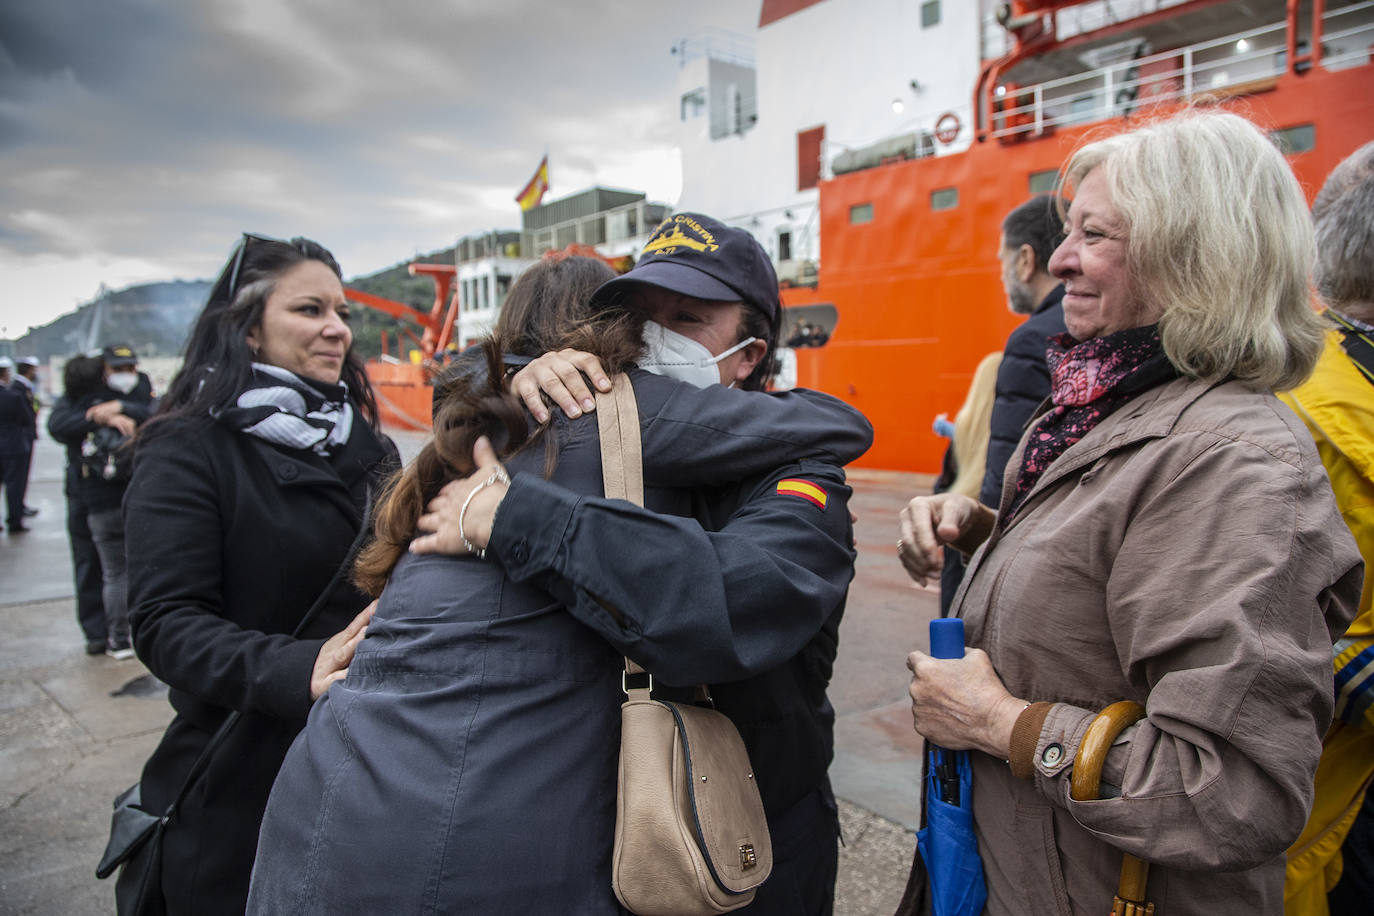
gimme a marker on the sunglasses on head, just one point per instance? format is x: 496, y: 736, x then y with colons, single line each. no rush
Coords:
x: 248, y: 239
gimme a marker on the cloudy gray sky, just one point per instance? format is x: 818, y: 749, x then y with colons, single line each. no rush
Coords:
x: 138, y: 138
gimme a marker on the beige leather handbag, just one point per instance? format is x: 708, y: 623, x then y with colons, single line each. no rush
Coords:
x: 690, y: 834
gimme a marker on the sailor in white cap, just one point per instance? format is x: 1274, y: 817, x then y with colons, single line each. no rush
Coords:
x: 18, y: 429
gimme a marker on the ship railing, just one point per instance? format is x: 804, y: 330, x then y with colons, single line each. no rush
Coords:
x: 619, y: 229
x: 1347, y: 39
x: 930, y: 133
x: 715, y: 44
x: 1232, y: 65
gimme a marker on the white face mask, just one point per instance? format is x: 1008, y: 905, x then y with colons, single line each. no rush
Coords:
x: 123, y: 382
x: 676, y: 356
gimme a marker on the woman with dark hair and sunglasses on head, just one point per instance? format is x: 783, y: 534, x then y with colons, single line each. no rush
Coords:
x: 250, y: 487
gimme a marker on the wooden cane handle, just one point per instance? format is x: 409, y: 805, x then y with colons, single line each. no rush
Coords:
x: 1086, y: 781
x: 1086, y: 778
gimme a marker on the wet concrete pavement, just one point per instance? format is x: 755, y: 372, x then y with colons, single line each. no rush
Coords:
x: 75, y: 730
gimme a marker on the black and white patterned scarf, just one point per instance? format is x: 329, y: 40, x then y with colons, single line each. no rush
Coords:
x: 285, y: 409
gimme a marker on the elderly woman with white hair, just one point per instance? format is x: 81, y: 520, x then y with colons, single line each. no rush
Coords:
x: 1166, y: 536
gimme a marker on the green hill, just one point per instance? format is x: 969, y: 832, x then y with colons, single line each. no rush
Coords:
x: 394, y: 283
x: 154, y: 318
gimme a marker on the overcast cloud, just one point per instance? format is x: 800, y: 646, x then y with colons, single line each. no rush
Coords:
x: 138, y: 138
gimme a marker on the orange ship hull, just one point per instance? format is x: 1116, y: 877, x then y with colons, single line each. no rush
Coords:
x: 918, y: 292
x: 404, y: 397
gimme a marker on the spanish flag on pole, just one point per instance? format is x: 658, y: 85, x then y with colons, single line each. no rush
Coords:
x: 533, y: 192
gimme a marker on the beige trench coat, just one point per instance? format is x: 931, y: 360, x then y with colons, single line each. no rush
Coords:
x: 1186, y: 554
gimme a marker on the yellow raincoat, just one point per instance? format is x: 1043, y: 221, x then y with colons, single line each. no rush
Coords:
x: 1337, y: 404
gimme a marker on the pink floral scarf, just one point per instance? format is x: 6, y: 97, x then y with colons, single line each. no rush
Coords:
x: 1088, y: 381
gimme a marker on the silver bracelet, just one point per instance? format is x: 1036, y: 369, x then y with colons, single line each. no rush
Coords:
x: 498, y: 475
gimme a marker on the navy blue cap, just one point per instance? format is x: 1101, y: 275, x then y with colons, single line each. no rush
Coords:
x: 120, y: 355
x: 697, y: 256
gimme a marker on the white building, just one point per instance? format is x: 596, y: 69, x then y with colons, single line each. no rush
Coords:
x: 764, y: 119
x: 614, y: 222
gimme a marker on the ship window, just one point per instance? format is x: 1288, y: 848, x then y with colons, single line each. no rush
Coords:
x: 930, y: 13
x: 1298, y: 139
x: 1043, y: 182
x: 944, y: 199
x: 693, y: 104
x: 860, y: 214
x: 809, y: 143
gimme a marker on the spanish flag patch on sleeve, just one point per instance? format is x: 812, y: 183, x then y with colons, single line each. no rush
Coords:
x: 803, y: 489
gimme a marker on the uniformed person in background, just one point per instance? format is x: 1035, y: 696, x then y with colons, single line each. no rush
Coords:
x: 18, y: 430
x: 105, y: 390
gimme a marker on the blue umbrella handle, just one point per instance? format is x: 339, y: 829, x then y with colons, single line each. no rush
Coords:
x: 947, y: 637
x: 946, y: 641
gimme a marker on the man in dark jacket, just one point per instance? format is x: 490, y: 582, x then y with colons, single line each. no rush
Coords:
x: 1030, y: 233
x: 69, y: 423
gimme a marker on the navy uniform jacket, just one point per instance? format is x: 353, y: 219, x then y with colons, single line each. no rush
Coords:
x: 18, y: 418
x: 15, y: 420
x: 745, y: 595
x: 467, y: 764
x: 1023, y: 383
x: 746, y: 598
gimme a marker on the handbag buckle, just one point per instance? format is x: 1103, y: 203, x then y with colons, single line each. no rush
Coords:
x: 646, y: 683
x: 747, y: 859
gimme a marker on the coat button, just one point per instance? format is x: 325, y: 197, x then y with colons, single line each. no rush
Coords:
x: 287, y: 472
x: 520, y: 553
x: 1052, y: 756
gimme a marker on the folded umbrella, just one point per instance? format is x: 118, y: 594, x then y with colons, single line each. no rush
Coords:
x: 947, y: 843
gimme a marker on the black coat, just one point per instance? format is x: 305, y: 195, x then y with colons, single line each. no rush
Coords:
x: 67, y: 424
x: 18, y: 422
x: 1023, y: 383
x: 230, y: 540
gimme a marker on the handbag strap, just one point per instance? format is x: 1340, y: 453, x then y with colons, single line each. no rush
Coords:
x: 622, y: 458
x: 622, y: 472
x: 203, y: 761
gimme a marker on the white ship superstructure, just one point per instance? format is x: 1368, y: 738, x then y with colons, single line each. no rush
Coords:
x: 764, y: 120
